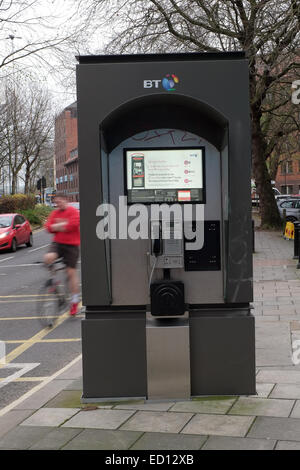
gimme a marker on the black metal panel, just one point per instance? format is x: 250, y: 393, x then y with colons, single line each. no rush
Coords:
x: 164, y: 111
x: 222, y: 353
x: 114, y: 357
x: 111, y: 59
x: 209, y: 257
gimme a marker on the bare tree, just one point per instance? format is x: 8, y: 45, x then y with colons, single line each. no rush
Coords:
x: 36, y: 136
x: 26, y: 131
x: 10, y: 116
x: 39, y: 34
x: 267, y: 30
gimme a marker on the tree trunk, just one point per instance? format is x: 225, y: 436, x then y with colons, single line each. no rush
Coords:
x: 27, y: 180
x: 268, y: 208
x: 13, y: 183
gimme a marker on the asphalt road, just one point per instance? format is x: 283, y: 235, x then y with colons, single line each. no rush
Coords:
x: 32, y: 352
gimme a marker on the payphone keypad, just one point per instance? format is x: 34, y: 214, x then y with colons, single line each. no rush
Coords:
x: 209, y: 257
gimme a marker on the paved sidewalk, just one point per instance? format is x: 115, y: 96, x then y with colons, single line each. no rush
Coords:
x: 54, y: 418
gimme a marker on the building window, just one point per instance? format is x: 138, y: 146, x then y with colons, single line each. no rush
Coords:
x: 74, y: 153
x: 286, y: 189
x: 286, y: 167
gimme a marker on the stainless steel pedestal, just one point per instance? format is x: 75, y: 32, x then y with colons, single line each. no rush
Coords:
x: 168, y: 358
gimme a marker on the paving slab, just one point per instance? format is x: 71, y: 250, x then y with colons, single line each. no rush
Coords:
x: 287, y: 445
x: 65, y: 399
x: 162, y: 406
x: 296, y: 410
x: 218, y: 425
x: 279, y: 376
x: 50, y: 417
x: 22, y: 438
x: 148, y: 421
x: 291, y: 391
x: 263, y: 390
x: 265, y: 319
x: 283, y: 429
x: 96, y: 439
x: 40, y: 398
x: 262, y: 407
x: 12, y: 419
x: 162, y: 441
x: 205, y: 405
x: 99, y: 419
x: 238, y: 443
x: 75, y: 384
x: 56, y: 439
x: 273, y: 357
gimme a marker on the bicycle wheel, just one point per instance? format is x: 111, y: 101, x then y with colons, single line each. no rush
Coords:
x: 49, y: 304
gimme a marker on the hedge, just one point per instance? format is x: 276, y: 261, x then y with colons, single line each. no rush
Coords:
x: 25, y: 205
x: 16, y: 203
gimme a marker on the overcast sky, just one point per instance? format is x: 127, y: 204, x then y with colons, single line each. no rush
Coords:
x: 48, y: 19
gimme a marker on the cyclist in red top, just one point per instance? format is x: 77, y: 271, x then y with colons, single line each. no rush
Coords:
x: 64, y: 224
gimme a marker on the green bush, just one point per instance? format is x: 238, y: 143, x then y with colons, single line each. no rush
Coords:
x: 38, y: 215
x: 43, y: 211
x: 31, y: 216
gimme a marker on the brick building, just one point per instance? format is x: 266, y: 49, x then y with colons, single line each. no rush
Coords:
x: 66, y: 153
x: 288, y: 176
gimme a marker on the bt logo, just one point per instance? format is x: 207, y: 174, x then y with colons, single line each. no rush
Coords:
x: 168, y: 82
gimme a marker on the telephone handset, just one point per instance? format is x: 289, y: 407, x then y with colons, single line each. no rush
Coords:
x: 166, y: 244
x: 156, y: 238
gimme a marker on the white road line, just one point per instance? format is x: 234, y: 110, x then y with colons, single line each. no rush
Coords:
x: 39, y: 248
x: 6, y: 259
x: 38, y: 387
x: 24, y: 368
x: 21, y: 265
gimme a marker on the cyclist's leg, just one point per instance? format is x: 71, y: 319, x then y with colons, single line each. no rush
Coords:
x: 52, y: 255
x: 73, y: 280
x: 70, y: 256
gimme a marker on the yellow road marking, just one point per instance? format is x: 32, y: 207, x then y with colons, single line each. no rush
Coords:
x: 59, y: 340
x: 27, y: 379
x: 22, y: 301
x: 32, y: 318
x: 24, y: 295
x: 39, y: 336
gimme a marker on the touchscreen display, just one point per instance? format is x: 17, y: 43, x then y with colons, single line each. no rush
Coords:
x: 165, y: 175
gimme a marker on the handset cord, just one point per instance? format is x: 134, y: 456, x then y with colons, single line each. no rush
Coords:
x: 152, y: 271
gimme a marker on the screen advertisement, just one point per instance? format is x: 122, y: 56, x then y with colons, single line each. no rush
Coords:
x: 165, y: 175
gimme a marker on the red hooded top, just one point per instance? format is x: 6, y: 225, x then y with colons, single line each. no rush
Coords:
x: 71, y: 235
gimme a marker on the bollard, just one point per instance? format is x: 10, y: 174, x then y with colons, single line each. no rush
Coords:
x: 284, y: 220
x: 298, y: 265
x: 253, y: 237
x: 296, y: 239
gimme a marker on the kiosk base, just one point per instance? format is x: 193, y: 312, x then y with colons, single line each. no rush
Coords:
x: 168, y: 358
x: 118, y: 364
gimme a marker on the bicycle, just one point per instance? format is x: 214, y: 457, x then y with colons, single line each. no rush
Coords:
x: 54, y: 294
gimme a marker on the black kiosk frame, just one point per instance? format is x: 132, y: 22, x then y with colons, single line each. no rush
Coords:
x: 119, y: 97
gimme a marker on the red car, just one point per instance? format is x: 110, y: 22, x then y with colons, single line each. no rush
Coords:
x: 15, y: 230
